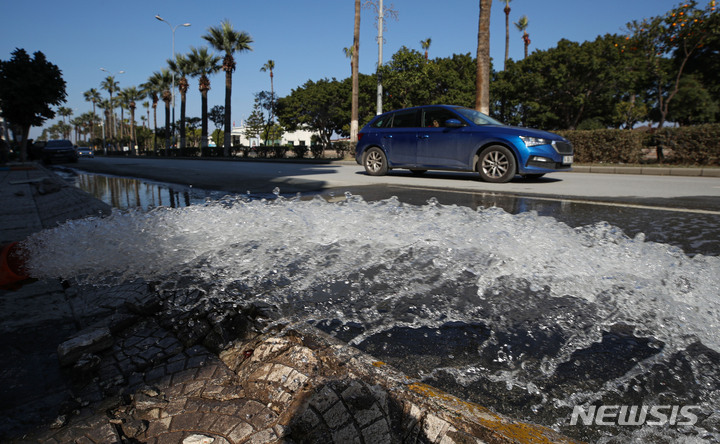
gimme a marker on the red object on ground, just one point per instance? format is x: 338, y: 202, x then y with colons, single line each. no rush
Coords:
x: 12, y: 265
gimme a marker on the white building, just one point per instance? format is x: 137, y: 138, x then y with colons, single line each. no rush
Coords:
x: 300, y: 137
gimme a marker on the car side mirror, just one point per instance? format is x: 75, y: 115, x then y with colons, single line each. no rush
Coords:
x: 453, y: 123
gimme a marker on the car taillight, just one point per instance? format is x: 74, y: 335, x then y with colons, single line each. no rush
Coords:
x: 360, y: 136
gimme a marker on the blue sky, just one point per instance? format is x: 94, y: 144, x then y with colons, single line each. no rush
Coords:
x: 304, y: 38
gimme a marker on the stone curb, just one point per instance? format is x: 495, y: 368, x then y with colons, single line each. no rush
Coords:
x: 648, y: 171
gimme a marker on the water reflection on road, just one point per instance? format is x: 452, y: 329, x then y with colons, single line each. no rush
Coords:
x: 127, y: 193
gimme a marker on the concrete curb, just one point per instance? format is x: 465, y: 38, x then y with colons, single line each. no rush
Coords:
x: 648, y: 171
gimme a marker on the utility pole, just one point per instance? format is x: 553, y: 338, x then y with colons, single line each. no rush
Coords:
x: 380, y: 57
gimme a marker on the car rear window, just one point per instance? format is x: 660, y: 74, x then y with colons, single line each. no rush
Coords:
x: 404, y: 119
x: 58, y: 143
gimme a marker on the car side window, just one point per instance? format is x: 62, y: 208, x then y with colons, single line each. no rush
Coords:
x: 404, y: 119
x: 383, y: 121
x: 436, y: 117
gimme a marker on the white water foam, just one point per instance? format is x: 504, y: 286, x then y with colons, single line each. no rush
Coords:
x: 305, y: 246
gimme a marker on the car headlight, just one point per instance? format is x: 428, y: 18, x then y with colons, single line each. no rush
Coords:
x: 535, y: 141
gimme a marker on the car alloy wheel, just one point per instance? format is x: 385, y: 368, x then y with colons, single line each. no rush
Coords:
x: 375, y: 162
x: 496, y: 164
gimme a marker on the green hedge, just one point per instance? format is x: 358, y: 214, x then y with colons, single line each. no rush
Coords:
x: 606, y: 146
x: 691, y: 145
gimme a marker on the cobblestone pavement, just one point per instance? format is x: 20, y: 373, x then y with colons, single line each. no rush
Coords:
x: 133, y: 363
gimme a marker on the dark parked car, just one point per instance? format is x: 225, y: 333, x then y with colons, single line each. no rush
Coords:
x: 442, y: 137
x: 59, y: 151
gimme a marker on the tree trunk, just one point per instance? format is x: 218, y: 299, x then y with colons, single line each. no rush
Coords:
x: 167, y: 128
x: 507, y: 35
x: 182, y: 122
x: 204, y: 130
x: 355, y: 77
x: 228, y: 121
x: 482, y: 80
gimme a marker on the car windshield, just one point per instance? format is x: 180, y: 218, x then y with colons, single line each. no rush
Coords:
x: 477, y: 117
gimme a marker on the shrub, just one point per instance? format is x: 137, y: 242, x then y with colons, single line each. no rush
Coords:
x: 606, y: 145
x: 689, y: 145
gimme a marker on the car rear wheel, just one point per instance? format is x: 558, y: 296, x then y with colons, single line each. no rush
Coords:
x: 375, y: 162
x: 496, y: 164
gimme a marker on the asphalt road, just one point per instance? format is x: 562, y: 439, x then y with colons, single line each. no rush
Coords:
x: 696, y: 194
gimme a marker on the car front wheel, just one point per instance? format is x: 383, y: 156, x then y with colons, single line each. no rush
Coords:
x: 496, y: 164
x: 375, y: 162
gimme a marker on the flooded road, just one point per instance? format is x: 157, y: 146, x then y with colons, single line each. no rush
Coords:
x: 534, y: 307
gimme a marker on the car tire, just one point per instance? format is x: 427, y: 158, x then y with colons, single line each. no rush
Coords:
x: 496, y: 164
x: 375, y: 162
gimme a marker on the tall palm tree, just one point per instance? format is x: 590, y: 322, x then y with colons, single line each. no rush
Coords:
x: 355, y: 99
x: 122, y: 103
x: 152, y: 88
x: 110, y: 85
x: 507, y: 30
x: 182, y: 67
x: 426, y: 45
x: 522, y: 25
x: 92, y: 95
x: 64, y: 112
x: 270, y: 66
x: 146, y: 105
x: 348, y: 53
x: 104, y: 105
x: 225, y: 38
x: 482, y: 79
x: 160, y: 83
x: 132, y: 94
x: 203, y: 64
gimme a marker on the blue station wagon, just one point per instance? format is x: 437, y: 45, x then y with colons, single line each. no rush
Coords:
x: 442, y: 137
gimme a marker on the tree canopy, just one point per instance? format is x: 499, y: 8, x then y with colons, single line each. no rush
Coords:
x: 29, y: 88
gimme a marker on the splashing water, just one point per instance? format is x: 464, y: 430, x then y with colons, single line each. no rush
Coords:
x: 530, y: 298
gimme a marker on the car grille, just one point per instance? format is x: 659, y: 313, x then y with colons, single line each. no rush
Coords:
x: 563, y: 147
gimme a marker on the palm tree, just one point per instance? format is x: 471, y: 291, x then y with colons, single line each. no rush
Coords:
x: 146, y: 105
x: 64, y: 112
x: 131, y: 95
x: 355, y: 76
x: 507, y: 30
x: 160, y: 83
x: 182, y: 67
x: 426, y: 45
x: 152, y: 88
x: 522, y: 25
x: 203, y: 64
x: 110, y: 85
x: 482, y: 79
x: 270, y: 66
x: 348, y: 53
x: 122, y: 102
x: 92, y: 95
x: 225, y: 38
x: 104, y: 105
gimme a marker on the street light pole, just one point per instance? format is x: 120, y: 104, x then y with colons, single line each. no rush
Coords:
x: 172, y: 92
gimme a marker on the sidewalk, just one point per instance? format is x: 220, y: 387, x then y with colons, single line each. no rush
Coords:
x: 137, y: 364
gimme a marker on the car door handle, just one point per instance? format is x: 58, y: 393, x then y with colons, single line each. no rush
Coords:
x: 389, y: 136
x: 423, y: 136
